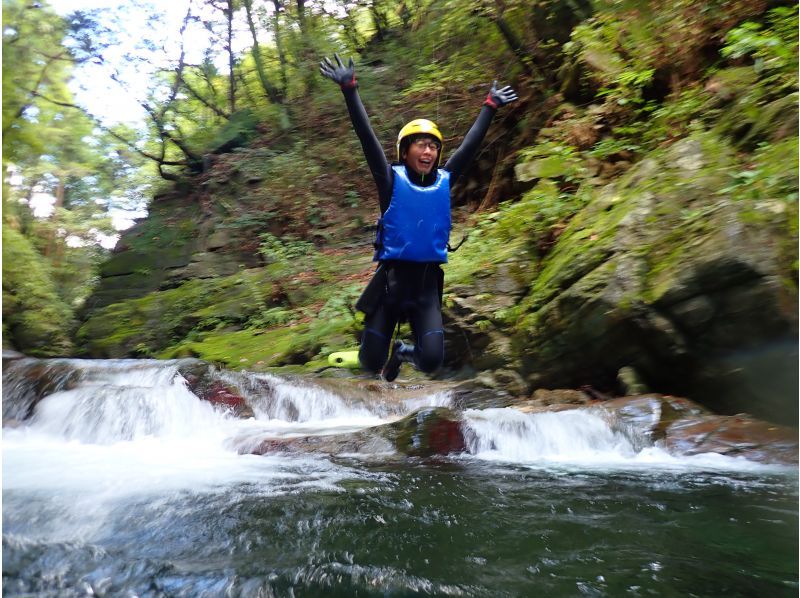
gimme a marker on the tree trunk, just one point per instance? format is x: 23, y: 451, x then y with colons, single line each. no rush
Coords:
x: 515, y: 45
x: 301, y: 15
x: 377, y: 20
x: 269, y: 89
x: 492, y: 197
x: 232, y: 91
x: 279, y: 44
x: 307, y: 53
x: 51, y: 249
x: 245, y: 87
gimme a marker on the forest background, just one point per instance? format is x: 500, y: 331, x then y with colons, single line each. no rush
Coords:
x: 259, y: 205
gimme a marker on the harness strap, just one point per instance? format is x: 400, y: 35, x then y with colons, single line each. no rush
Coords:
x: 460, y: 243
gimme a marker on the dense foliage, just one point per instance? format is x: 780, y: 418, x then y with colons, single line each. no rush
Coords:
x: 57, y: 162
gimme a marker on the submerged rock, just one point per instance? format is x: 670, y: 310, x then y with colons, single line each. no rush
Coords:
x: 685, y: 428
x: 203, y: 381
x: 220, y: 395
x: 430, y: 431
x: 424, y: 433
x: 649, y: 415
x: 365, y: 442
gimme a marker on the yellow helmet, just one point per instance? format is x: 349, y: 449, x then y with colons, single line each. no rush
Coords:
x: 420, y: 126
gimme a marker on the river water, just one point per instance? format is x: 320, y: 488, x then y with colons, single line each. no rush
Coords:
x: 128, y: 485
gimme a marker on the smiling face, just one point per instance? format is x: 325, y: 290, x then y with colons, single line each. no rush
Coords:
x: 421, y: 154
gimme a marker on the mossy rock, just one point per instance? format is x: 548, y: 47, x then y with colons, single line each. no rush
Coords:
x: 777, y: 120
x: 615, y: 290
x: 131, y: 262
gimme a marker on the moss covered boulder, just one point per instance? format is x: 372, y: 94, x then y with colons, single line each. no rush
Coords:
x: 671, y: 270
x: 680, y: 277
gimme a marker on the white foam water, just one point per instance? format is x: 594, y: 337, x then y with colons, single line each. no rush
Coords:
x: 575, y: 437
x: 129, y: 434
x: 299, y: 402
x: 133, y: 427
x: 126, y: 483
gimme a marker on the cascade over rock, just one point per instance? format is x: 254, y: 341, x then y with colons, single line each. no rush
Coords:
x: 203, y: 380
x: 396, y: 420
x: 430, y: 431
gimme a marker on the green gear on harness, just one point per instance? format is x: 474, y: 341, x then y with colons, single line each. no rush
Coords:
x: 344, y: 359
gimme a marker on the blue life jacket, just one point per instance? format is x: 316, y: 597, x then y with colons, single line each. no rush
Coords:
x: 416, y: 226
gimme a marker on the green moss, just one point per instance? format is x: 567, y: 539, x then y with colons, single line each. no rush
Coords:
x: 648, y: 216
x: 249, y: 349
x: 160, y: 318
x: 586, y: 243
x: 306, y: 344
x: 519, y: 231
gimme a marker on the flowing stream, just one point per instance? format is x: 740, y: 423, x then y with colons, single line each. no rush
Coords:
x: 126, y: 484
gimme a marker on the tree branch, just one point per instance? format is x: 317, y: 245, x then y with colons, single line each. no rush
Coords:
x: 207, y: 103
x: 32, y: 93
x: 129, y: 144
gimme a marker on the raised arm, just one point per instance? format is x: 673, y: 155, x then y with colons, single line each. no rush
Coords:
x: 463, y: 156
x: 345, y: 76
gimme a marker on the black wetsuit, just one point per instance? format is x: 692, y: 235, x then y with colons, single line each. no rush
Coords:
x: 411, y: 290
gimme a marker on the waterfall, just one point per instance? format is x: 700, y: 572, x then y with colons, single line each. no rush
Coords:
x: 510, y: 435
x: 577, y: 437
x: 126, y: 478
x: 106, y: 402
x: 109, y: 430
x: 273, y: 398
x: 127, y: 406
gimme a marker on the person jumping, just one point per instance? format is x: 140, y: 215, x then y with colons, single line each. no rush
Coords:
x: 411, y: 240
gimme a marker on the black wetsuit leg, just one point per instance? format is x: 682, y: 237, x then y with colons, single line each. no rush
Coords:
x: 425, y: 317
x: 413, y: 295
x: 378, y: 329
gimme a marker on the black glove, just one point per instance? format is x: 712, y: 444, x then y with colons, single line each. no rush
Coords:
x: 500, y: 97
x: 341, y: 74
